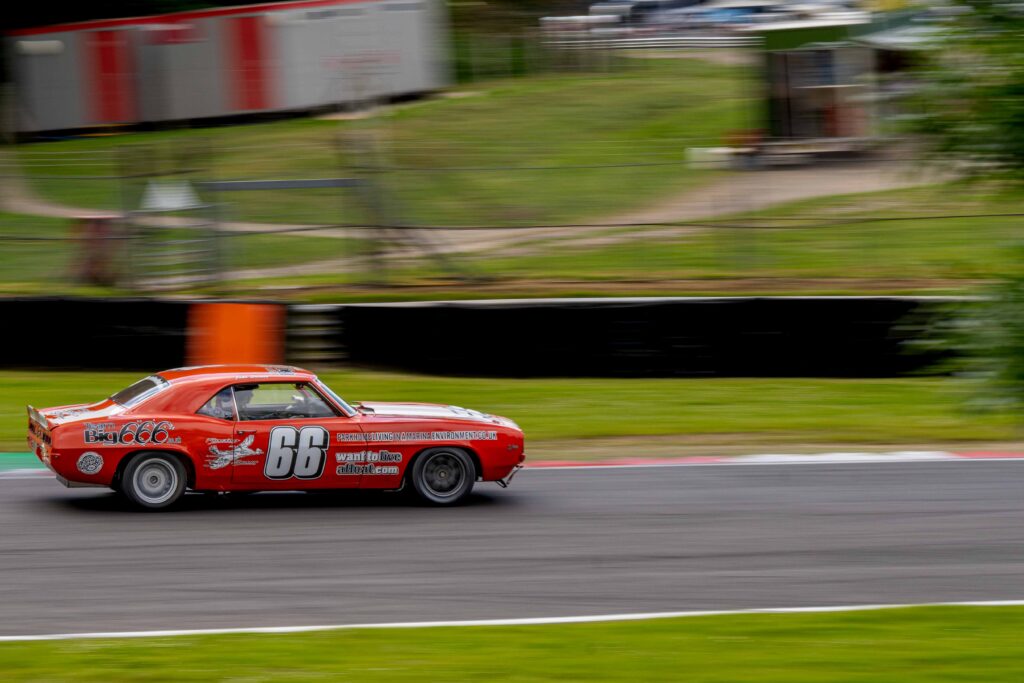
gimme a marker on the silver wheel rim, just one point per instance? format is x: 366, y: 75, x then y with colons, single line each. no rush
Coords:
x: 155, y: 481
x: 443, y: 475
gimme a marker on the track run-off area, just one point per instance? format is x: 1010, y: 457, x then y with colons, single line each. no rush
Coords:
x: 561, y: 542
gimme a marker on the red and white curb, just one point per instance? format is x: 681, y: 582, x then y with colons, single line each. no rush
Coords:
x: 841, y: 458
x: 782, y: 459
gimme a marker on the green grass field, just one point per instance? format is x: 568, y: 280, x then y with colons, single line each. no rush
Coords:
x: 907, y: 645
x: 649, y: 114
x: 843, y: 244
x: 646, y: 114
x: 754, y: 411
x: 809, y: 240
x: 803, y: 247
x: 26, y: 261
x: 41, y: 253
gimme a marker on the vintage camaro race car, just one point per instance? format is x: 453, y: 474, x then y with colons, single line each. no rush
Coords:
x: 268, y: 428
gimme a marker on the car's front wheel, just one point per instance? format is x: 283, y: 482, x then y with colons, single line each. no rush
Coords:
x: 443, y: 476
x: 153, y: 480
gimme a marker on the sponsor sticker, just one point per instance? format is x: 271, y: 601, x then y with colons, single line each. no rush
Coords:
x: 141, y: 433
x: 380, y: 437
x: 90, y: 462
x: 367, y: 462
x: 219, y: 458
x: 368, y: 468
x: 368, y: 456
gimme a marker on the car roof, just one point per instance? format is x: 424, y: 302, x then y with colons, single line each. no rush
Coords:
x: 240, y: 372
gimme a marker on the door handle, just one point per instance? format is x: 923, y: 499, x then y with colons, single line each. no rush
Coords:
x: 245, y: 431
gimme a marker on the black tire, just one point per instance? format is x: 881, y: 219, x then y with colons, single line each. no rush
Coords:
x: 443, y: 476
x: 154, y: 480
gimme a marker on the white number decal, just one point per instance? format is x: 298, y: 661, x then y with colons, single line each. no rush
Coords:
x: 312, y: 452
x: 297, y: 453
x: 280, y: 453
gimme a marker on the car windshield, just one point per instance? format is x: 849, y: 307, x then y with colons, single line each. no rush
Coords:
x: 349, y: 410
x: 140, y: 391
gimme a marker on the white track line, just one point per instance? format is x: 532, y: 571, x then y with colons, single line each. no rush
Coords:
x: 725, y: 461
x: 531, y: 621
x: 768, y: 460
x: 26, y: 473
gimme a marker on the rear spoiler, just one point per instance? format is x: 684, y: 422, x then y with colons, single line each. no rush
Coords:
x: 38, y: 417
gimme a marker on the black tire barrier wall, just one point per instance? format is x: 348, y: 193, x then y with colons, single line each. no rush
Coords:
x: 686, y: 337
x: 138, y: 334
x: 122, y: 334
x: 780, y: 337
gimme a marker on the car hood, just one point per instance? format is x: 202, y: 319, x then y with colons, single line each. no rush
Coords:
x: 432, y: 411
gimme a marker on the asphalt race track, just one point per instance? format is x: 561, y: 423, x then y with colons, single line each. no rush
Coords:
x: 557, y: 543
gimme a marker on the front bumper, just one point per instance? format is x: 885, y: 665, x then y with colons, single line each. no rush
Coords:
x: 503, y: 483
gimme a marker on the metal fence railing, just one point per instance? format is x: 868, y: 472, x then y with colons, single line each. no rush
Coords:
x: 662, y: 218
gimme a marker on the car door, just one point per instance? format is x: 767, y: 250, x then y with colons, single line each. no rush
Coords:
x: 284, y: 435
x: 211, y: 440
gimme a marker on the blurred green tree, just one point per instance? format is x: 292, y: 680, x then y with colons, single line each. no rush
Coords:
x: 971, y: 115
x: 971, y: 105
x: 988, y: 338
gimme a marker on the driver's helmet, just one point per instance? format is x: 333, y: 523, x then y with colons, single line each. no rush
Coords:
x: 223, y: 404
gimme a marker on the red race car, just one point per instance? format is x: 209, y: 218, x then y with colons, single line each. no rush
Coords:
x: 268, y: 428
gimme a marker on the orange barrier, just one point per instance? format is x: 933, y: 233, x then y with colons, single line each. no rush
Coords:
x: 220, y: 333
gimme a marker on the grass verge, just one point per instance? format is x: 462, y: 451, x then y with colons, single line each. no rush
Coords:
x: 35, y: 251
x: 864, y: 243
x: 709, y: 411
x: 873, y: 236
x: 907, y: 645
x: 43, y: 252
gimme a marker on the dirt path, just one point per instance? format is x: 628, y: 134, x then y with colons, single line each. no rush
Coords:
x: 757, y: 190
x: 735, y: 192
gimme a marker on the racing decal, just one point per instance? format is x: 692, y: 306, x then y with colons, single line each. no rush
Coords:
x: 369, y: 468
x: 219, y: 458
x: 367, y: 462
x: 368, y: 456
x: 141, y: 433
x: 375, y: 437
x: 90, y: 462
x: 68, y: 412
x: 352, y: 436
x: 299, y: 453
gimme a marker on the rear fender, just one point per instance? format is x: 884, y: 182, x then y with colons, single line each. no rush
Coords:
x: 181, y: 455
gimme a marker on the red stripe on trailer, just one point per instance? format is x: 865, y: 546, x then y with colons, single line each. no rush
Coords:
x: 247, y: 45
x: 108, y: 58
x: 181, y: 16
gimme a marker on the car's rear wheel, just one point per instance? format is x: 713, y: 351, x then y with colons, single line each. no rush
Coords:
x: 443, y: 476
x: 154, y: 480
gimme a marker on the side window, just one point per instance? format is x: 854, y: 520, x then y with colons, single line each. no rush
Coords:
x: 221, y: 406
x: 277, y: 401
